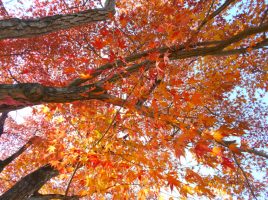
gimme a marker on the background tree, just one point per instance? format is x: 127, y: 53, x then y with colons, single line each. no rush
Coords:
x: 134, y: 96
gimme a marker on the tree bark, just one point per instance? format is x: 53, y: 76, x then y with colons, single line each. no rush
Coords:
x: 7, y: 161
x: 30, y: 184
x: 52, y: 196
x: 16, y: 96
x: 20, y: 95
x: 25, y: 28
x: 3, y: 118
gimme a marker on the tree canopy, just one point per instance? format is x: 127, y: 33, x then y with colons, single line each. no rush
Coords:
x: 130, y: 98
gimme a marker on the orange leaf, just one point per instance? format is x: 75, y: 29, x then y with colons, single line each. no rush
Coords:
x: 69, y: 70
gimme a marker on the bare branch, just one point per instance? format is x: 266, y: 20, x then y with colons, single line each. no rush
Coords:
x: 16, y: 96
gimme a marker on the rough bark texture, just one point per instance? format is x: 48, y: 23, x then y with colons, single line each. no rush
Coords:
x: 24, y: 28
x: 17, y: 96
x: 31, y: 183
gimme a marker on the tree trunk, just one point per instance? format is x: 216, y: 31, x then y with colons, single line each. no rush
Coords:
x: 25, y: 28
x: 16, y: 96
x: 30, y: 184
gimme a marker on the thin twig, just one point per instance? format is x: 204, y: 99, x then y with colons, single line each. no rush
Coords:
x: 211, y: 16
x: 144, y: 97
x: 245, y: 176
x: 118, y: 111
x: 263, y: 19
x: 12, y: 76
x: 71, y: 179
x: 207, y: 17
x: 114, y: 118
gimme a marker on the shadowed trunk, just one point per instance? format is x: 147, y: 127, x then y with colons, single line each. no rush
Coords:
x: 30, y: 184
x: 7, y: 161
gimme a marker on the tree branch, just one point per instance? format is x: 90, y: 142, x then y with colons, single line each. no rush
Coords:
x: 3, y: 118
x: 3, y: 10
x: 53, y: 196
x: 25, y: 28
x: 245, y: 149
x: 245, y: 176
x: 71, y: 179
x: 253, y: 151
x: 214, y: 14
x: 7, y: 161
x: 28, y: 94
x: 148, y: 112
x: 180, y: 52
x: 30, y: 184
x: 16, y: 96
x: 146, y: 95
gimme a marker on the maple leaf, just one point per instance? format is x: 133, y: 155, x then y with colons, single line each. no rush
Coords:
x: 69, y: 70
x: 226, y: 163
x: 196, y: 98
x: 51, y: 149
x: 218, y: 136
x: 173, y: 182
x: 85, y: 76
x: 201, y: 149
x: 98, y: 43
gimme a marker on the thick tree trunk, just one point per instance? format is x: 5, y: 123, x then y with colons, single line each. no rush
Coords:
x: 17, y: 96
x: 23, y: 28
x: 30, y: 184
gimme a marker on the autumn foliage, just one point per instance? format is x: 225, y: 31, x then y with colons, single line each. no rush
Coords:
x: 139, y: 100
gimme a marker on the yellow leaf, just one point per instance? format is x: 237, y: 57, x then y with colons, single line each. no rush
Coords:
x: 216, y: 151
x: 51, y: 149
x: 85, y: 76
x: 60, y: 119
x: 45, y: 109
x: 217, y: 136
